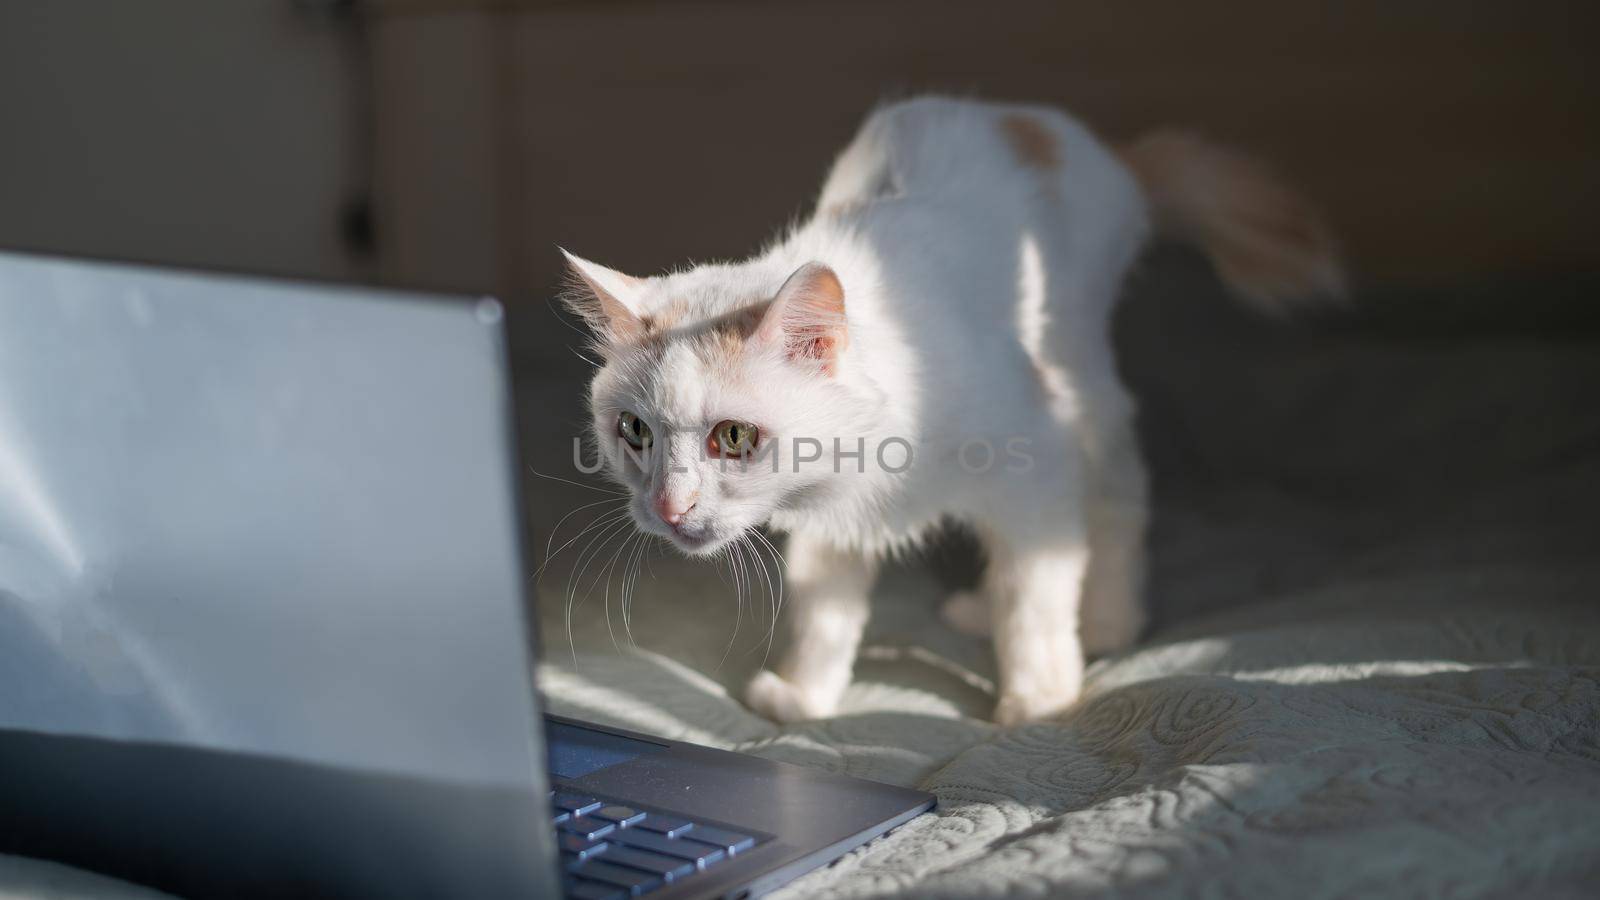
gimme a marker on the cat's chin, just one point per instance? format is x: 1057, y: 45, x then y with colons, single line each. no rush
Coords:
x: 702, y: 543
x: 697, y: 545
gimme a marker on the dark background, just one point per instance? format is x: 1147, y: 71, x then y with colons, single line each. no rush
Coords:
x: 1449, y: 142
x: 453, y: 144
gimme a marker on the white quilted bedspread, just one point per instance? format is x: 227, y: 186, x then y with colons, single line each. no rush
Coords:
x: 1392, y: 735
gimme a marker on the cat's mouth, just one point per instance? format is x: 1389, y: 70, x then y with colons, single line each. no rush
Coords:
x: 696, y: 543
x: 693, y: 541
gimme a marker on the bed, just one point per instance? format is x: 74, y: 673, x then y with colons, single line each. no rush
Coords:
x: 1413, y: 734
x: 1375, y: 664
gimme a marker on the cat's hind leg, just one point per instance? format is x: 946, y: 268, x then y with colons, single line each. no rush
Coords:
x: 1114, y: 612
x: 1037, y: 556
x: 828, y: 591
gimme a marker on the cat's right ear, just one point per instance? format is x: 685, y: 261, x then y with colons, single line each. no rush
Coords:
x: 605, y: 298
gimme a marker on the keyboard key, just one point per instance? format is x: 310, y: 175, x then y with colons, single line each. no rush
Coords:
x: 731, y: 841
x: 578, y: 848
x: 622, y: 815
x: 666, y: 825
x: 701, y: 855
x: 587, y: 828
x: 654, y: 863
x: 577, y: 804
x: 633, y: 881
x: 593, y: 890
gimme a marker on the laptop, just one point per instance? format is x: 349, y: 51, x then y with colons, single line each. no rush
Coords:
x: 263, y: 623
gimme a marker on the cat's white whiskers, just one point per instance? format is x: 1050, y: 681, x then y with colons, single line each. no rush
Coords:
x: 780, y: 572
x: 629, y: 574
x: 588, y: 339
x: 584, y: 358
x: 724, y: 555
x: 751, y: 569
x: 780, y: 569
x: 744, y: 548
x: 548, y: 556
x: 772, y: 594
x: 605, y: 575
x: 590, y: 550
x: 624, y: 599
x: 602, y: 520
x: 594, y: 530
x: 738, y: 603
x: 587, y: 487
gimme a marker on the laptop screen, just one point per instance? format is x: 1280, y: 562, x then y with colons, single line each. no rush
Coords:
x: 260, y: 517
x: 261, y: 618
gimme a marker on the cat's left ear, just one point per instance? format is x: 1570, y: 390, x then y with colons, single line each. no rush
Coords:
x: 605, y: 298
x: 807, y: 316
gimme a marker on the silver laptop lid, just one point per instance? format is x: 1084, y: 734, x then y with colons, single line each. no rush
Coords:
x: 261, y: 517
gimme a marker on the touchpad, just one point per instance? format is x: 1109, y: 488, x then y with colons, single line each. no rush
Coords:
x: 576, y: 751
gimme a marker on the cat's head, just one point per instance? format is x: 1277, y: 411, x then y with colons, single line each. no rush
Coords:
x: 709, y: 381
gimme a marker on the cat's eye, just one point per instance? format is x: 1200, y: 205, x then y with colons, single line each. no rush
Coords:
x: 732, y: 438
x: 634, y: 431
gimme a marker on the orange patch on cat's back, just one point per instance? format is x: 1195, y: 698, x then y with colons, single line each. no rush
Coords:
x: 1032, y: 142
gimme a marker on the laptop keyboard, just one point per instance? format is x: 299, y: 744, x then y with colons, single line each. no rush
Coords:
x: 610, y: 850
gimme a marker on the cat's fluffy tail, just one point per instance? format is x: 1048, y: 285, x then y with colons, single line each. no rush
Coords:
x: 1269, y: 244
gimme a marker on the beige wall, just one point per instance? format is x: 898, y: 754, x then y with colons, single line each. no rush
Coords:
x: 1447, y: 140
x: 188, y: 132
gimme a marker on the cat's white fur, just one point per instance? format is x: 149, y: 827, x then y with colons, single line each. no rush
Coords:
x: 953, y: 292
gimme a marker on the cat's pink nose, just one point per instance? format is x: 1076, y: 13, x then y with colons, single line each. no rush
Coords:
x: 673, y: 509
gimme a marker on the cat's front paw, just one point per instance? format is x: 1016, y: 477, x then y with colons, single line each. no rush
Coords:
x: 781, y: 700
x: 1020, y: 708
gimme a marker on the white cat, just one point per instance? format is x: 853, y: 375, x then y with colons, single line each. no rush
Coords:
x: 934, y: 344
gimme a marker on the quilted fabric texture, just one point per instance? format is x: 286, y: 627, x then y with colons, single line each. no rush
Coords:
x: 1364, y: 741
